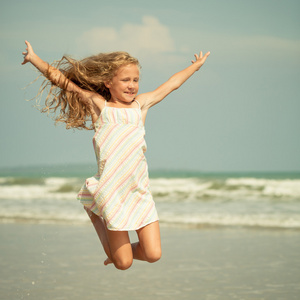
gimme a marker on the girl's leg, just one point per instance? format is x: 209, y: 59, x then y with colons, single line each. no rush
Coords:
x: 116, y: 244
x: 149, y: 246
x: 100, y: 228
x: 120, y: 249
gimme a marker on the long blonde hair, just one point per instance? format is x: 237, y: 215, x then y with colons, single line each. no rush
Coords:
x: 89, y: 74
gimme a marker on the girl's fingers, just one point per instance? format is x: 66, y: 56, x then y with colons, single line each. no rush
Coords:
x: 200, y: 56
x: 28, y: 45
x: 26, y: 53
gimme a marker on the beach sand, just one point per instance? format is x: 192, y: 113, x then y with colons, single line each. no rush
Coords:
x: 58, y: 262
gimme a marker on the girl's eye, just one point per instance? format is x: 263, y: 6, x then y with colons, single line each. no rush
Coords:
x: 125, y: 80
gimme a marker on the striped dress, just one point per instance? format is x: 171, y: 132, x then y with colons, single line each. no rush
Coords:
x: 119, y: 192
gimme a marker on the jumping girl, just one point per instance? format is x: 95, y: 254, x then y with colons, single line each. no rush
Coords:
x: 104, y: 89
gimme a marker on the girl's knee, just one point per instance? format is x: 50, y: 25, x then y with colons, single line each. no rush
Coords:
x: 123, y: 263
x: 153, y: 256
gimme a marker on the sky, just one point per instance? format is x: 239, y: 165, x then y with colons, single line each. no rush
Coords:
x: 238, y: 113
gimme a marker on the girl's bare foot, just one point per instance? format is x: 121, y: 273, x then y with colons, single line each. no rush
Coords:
x: 107, y: 262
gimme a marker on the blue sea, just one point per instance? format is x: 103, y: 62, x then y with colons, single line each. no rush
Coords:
x: 188, y: 199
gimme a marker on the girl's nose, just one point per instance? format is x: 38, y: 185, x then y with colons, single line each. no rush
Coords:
x: 130, y: 84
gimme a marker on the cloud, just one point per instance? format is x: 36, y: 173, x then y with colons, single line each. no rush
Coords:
x: 151, y: 40
x: 272, y: 48
x: 255, y: 49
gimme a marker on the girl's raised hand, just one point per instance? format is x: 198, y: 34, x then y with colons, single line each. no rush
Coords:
x: 200, y: 59
x: 28, y: 54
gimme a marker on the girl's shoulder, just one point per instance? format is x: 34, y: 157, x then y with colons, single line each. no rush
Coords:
x: 141, y: 98
x: 97, y: 101
x: 94, y: 101
x: 92, y: 98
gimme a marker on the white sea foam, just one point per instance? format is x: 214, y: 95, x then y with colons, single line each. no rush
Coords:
x: 257, y: 220
x: 232, y: 188
x: 174, y: 189
x: 51, y: 188
x: 186, y: 201
x: 269, y: 187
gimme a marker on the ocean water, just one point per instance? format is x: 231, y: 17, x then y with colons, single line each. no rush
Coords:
x: 48, y: 195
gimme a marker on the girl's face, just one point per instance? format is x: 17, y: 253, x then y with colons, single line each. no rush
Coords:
x: 124, y: 85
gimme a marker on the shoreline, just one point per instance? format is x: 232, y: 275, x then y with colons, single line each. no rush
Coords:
x: 163, y: 224
x: 64, y: 261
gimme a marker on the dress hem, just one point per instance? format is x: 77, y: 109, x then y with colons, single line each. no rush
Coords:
x: 125, y: 229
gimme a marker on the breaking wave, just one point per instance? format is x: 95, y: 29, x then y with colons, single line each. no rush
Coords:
x: 240, y: 201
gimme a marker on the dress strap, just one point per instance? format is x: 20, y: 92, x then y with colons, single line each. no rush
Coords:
x: 105, y: 103
x: 138, y: 103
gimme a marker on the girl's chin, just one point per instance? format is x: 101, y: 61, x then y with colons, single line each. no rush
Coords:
x: 125, y: 100
x: 128, y: 98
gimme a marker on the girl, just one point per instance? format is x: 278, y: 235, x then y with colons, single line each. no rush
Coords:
x: 104, y: 88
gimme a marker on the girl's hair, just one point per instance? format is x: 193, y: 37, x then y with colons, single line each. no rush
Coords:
x: 90, y: 74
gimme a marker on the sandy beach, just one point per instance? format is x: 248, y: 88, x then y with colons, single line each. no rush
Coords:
x: 40, y: 261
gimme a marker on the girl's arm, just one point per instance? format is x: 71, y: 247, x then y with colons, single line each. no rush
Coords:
x: 93, y: 100
x: 53, y: 74
x: 149, y: 99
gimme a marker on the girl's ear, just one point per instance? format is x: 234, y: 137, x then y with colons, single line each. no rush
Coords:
x: 107, y: 84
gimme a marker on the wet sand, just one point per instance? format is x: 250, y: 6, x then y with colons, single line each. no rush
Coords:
x: 63, y: 262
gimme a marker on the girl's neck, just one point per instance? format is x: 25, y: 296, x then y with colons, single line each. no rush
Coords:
x: 120, y: 103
